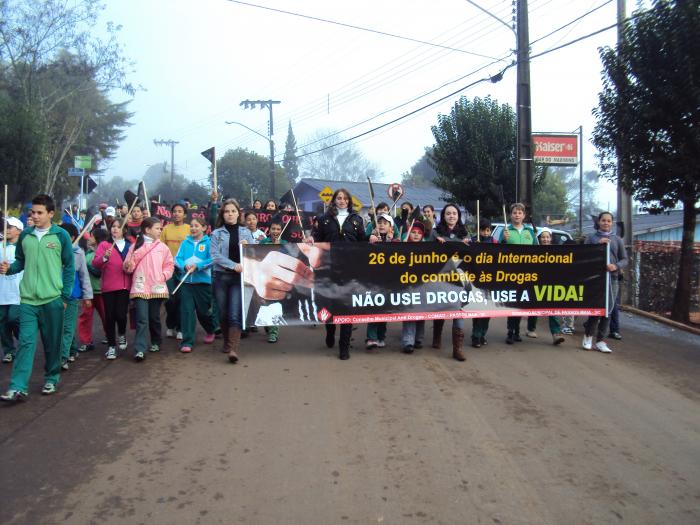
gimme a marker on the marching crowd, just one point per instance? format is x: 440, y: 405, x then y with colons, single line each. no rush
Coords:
x: 53, y: 278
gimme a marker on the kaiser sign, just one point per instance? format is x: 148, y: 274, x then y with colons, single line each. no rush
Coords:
x: 558, y: 150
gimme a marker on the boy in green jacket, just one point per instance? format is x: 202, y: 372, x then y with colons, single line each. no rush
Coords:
x: 45, y: 253
x: 517, y: 232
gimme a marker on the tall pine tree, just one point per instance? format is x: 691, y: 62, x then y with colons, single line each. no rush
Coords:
x: 291, y: 167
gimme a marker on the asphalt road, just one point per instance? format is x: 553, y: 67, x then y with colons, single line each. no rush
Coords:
x: 527, y: 434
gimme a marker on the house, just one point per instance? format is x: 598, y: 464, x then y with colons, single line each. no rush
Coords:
x: 307, y: 194
x: 667, y: 226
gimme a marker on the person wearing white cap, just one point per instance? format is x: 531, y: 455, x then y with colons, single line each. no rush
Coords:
x: 9, y: 294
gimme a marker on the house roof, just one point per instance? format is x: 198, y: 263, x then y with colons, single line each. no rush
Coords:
x: 647, y: 223
x: 360, y: 190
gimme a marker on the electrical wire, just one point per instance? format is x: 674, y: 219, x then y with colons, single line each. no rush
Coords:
x: 359, y: 28
x: 577, y: 19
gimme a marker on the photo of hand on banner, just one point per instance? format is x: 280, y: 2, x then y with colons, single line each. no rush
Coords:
x: 361, y: 282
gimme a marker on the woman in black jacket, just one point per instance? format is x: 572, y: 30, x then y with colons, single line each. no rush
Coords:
x: 340, y: 224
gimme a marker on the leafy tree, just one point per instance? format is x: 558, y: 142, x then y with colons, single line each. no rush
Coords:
x: 648, y: 118
x: 290, y: 163
x: 55, y: 74
x: 111, y: 191
x: 343, y: 162
x: 422, y: 174
x: 550, y: 196
x: 241, y: 170
x: 474, y: 154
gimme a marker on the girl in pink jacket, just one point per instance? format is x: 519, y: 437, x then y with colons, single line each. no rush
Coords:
x: 116, y: 283
x: 151, y: 265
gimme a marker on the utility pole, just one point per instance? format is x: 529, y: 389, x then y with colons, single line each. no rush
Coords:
x: 172, y: 144
x: 524, y: 116
x: 250, y: 104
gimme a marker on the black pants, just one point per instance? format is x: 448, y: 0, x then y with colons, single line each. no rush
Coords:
x: 116, y: 307
x: 345, y: 335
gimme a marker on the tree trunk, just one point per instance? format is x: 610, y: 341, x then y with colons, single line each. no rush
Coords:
x: 681, y: 299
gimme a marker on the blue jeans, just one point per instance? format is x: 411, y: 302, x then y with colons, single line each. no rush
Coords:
x: 227, y: 291
x: 412, y: 332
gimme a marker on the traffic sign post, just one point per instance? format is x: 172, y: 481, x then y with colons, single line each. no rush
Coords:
x: 76, y: 172
x: 82, y: 161
x: 326, y: 194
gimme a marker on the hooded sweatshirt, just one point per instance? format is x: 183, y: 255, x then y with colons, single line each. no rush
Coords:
x: 81, y: 284
x: 195, y: 252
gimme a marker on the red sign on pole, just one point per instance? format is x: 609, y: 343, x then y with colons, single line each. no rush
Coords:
x: 557, y: 150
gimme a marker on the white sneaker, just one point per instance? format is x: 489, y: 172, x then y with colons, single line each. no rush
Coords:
x: 587, y: 342
x: 122, y: 342
x: 381, y: 344
x: 111, y: 353
x: 371, y: 343
x: 178, y: 336
x: 531, y: 333
x: 602, y: 346
x: 169, y: 333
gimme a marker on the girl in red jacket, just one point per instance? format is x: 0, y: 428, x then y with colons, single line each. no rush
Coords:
x: 151, y: 265
x: 116, y: 283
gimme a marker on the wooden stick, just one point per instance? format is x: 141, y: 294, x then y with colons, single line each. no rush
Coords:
x: 89, y: 225
x: 75, y: 223
x: 145, y: 199
x: 182, y: 281
x: 505, y: 220
x: 409, y: 231
x: 301, y: 224
x: 478, y: 233
x: 4, y: 228
x: 371, y: 198
x: 284, y: 228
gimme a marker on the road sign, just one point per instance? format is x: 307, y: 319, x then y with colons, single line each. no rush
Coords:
x: 209, y: 154
x: 356, y: 203
x: 556, y: 149
x: 76, y: 172
x: 394, y: 191
x: 91, y: 185
x: 83, y: 161
x: 326, y: 194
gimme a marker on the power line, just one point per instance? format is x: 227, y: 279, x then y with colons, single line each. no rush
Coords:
x: 359, y: 28
x: 572, y: 22
x: 594, y: 33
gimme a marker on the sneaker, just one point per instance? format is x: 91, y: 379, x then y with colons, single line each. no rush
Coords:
x: 476, y: 342
x: 13, y: 396
x: 178, y: 336
x: 86, y: 348
x: 587, y: 343
x: 64, y: 365
x: 557, y: 339
x: 615, y: 335
x: 154, y: 348
x: 509, y: 338
x: 381, y: 344
x: 122, y: 342
x: 484, y: 342
x: 71, y: 358
x: 49, y: 388
x: 185, y: 349
x: 138, y: 356
x: 517, y: 338
x: 169, y: 333
x: 104, y: 342
x: 602, y: 346
x: 111, y: 353
x: 531, y: 333
x: 8, y: 358
x: 344, y: 354
x: 271, y: 338
x: 209, y: 338
x: 418, y: 345
x: 408, y: 349
x: 567, y: 331
x: 370, y: 344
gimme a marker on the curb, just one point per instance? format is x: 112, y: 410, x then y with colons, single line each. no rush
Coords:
x: 661, y: 319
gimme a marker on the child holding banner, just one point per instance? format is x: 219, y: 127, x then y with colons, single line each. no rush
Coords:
x: 480, y: 325
x: 275, y: 237
x: 193, y: 259
x: 545, y: 239
x: 226, y: 255
x: 412, y: 331
x: 376, y: 332
x: 451, y: 229
x: 598, y: 326
x: 517, y: 232
x: 151, y: 265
